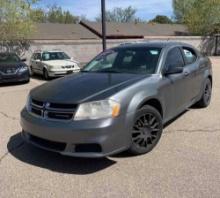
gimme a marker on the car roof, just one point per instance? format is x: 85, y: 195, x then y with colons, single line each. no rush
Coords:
x: 42, y: 51
x: 156, y: 44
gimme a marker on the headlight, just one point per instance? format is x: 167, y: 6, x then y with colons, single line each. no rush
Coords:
x: 49, y: 67
x: 97, y: 110
x: 23, y: 69
x: 28, y: 103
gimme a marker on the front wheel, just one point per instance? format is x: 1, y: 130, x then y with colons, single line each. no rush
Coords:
x: 45, y: 74
x: 206, y: 96
x: 31, y: 71
x: 146, y: 130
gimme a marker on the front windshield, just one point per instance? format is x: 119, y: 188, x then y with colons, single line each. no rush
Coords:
x: 47, y: 56
x: 135, y: 60
x: 9, y: 58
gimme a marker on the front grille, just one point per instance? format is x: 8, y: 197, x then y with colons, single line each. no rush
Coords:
x: 68, y: 67
x: 8, y: 70
x: 55, y: 111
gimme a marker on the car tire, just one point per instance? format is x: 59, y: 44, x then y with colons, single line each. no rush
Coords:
x: 31, y: 71
x: 45, y: 74
x: 146, y: 130
x: 27, y: 81
x: 206, y: 95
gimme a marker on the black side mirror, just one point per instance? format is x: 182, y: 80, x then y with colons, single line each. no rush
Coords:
x: 173, y: 70
x: 23, y: 59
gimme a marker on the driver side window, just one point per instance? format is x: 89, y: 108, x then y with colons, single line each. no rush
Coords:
x: 174, y: 59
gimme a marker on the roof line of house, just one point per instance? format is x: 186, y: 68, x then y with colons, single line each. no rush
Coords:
x: 120, y: 36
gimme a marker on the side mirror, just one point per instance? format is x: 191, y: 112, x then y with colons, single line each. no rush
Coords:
x: 173, y: 70
x: 23, y: 59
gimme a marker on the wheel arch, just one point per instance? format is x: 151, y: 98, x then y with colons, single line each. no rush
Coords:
x: 210, y: 78
x: 154, y: 102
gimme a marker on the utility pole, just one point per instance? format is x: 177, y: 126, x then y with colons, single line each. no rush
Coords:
x: 103, y: 25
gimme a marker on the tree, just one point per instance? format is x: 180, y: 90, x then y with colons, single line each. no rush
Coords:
x: 55, y: 14
x: 161, y: 19
x: 15, y: 19
x: 181, y: 7
x: 39, y: 15
x: 120, y: 15
x: 203, y: 18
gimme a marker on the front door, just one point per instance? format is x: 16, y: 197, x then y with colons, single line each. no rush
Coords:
x: 178, y: 90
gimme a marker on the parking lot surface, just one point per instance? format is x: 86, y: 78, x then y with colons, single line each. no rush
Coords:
x: 186, y: 162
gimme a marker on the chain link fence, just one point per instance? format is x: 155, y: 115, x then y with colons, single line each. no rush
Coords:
x: 210, y: 45
x: 217, y: 45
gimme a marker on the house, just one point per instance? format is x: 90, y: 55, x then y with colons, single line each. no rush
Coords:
x: 84, y: 40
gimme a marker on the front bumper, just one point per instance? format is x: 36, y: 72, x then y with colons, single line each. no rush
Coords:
x: 18, y: 77
x: 96, y: 138
x: 54, y: 73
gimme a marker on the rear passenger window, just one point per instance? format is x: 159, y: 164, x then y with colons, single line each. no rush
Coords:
x: 190, y: 55
x: 38, y: 56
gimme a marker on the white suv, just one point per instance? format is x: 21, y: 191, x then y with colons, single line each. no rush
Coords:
x: 52, y: 64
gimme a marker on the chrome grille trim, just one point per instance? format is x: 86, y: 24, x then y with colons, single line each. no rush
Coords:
x: 44, y: 110
x: 15, y: 71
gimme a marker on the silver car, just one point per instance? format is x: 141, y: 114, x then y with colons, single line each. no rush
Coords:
x: 53, y: 63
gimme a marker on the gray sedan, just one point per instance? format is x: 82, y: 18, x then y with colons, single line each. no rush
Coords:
x: 119, y: 101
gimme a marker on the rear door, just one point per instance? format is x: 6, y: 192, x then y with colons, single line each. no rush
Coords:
x: 192, y: 67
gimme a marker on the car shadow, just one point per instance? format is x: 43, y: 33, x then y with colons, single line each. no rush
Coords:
x: 38, y: 77
x: 175, y: 118
x: 9, y: 84
x: 53, y: 161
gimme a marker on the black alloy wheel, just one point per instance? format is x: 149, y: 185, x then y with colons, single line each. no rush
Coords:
x: 31, y: 72
x: 207, y: 95
x: 45, y: 74
x: 146, y: 131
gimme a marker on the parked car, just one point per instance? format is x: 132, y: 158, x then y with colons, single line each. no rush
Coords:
x: 52, y: 64
x: 13, y: 69
x: 120, y: 100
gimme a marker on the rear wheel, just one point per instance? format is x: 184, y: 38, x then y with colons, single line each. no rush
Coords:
x: 45, y: 74
x: 206, y: 96
x: 146, y: 130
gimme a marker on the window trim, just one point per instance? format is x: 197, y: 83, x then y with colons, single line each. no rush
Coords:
x: 168, y: 51
x: 184, y: 57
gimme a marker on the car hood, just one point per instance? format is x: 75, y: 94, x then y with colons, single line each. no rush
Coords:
x: 82, y: 87
x: 12, y: 66
x: 59, y: 62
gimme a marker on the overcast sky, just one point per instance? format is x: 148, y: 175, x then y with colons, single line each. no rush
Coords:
x: 146, y: 9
